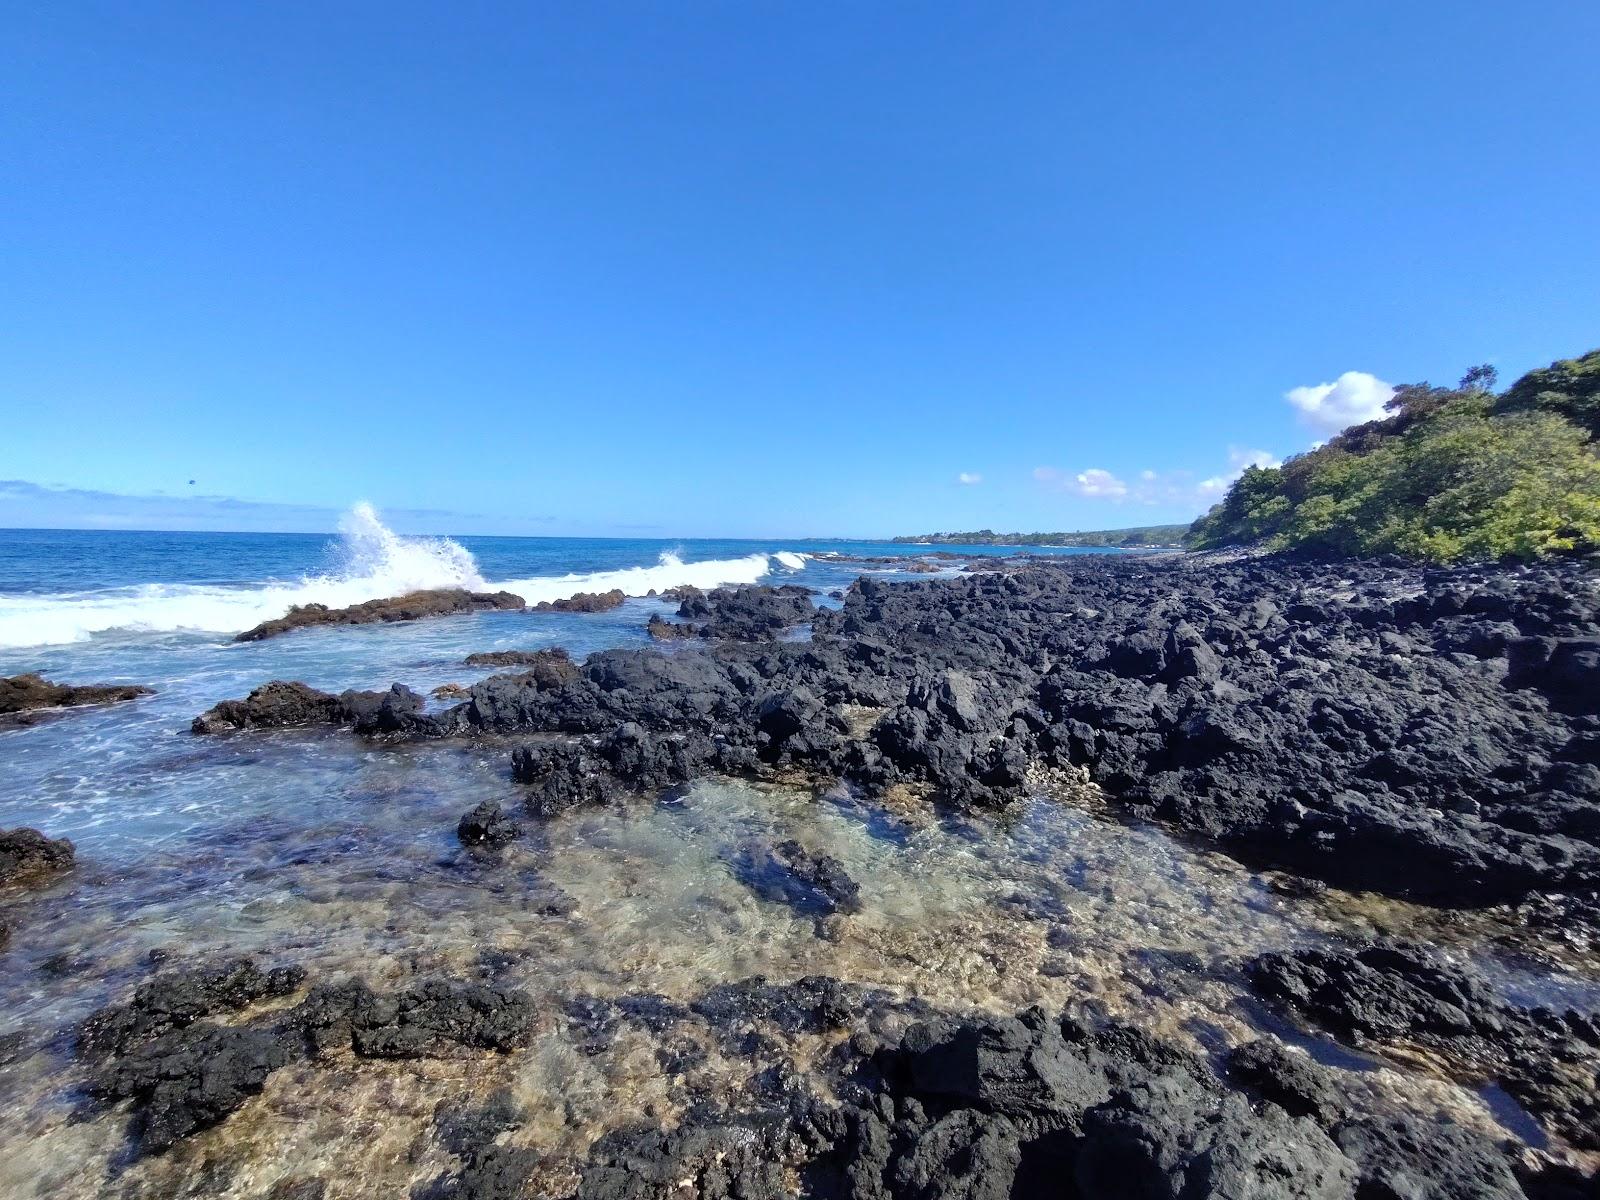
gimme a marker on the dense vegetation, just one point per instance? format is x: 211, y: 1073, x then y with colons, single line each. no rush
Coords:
x: 1143, y: 535
x: 1451, y: 474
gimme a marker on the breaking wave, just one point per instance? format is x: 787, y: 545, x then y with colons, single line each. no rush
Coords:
x: 374, y: 562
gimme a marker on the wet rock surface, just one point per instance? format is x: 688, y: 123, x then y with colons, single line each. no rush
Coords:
x: 1034, y: 1106
x: 185, y: 1073
x: 413, y: 606
x: 790, y: 874
x: 176, y: 999
x: 488, y: 826
x: 1396, y: 993
x: 28, y: 699
x: 548, y: 668
x: 281, y: 705
x: 584, y: 602
x: 28, y: 856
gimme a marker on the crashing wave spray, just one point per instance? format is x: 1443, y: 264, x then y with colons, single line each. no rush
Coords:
x: 670, y: 571
x: 372, y: 551
x: 375, y: 562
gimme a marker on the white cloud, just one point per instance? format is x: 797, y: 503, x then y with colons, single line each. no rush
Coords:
x: 1095, y: 482
x: 1238, y: 460
x: 968, y: 478
x: 1173, y: 489
x: 1352, y: 399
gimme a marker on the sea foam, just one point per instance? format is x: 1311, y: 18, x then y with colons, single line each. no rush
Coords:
x: 375, y: 562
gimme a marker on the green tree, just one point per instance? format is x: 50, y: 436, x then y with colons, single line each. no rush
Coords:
x: 1448, y: 475
x: 1570, y: 388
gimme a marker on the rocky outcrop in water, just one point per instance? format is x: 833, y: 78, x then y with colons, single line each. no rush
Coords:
x: 282, y: 705
x: 28, y: 856
x: 1397, y: 993
x: 185, y: 1073
x: 487, y: 826
x: 28, y: 699
x: 1428, y: 734
x: 748, y: 614
x: 1371, y: 726
x: 176, y: 999
x: 413, y: 606
x: 546, y: 669
x: 584, y: 602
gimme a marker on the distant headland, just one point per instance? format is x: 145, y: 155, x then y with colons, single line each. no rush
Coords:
x: 1141, y: 535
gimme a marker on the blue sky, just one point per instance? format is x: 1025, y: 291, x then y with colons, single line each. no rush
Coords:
x: 761, y: 268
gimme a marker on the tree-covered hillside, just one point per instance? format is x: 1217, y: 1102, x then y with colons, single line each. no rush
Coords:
x: 1141, y: 535
x: 1452, y: 474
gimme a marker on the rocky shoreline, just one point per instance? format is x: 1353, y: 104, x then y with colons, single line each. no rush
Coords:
x: 1427, y: 735
x: 1433, y: 735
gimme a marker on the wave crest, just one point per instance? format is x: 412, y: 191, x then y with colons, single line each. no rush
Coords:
x: 375, y: 562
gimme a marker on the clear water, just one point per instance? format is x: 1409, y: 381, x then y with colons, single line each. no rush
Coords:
x: 322, y: 850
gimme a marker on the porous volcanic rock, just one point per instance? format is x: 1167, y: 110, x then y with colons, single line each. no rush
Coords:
x: 1415, y: 732
x: 185, y: 1072
x: 788, y: 873
x: 751, y: 614
x: 584, y: 602
x: 28, y: 856
x: 413, y: 606
x: 282, y: 704
x: 177, y: 998
x: 1398, y: 993
x: 1029, y: 1108
x: 487, y: 826
x: 548, y: 668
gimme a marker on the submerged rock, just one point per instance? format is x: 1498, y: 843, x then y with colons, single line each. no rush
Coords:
x: 487, y: 826
x: 27, y: 856
x: 413, y: 606
x: 1398, y: 993
x: 185, y: 1073
x: 189, y: 1080
x: 26, y: 699
x: 584, y: 602
x: 697, y: 1161
x: 177, y: 998
x: 788, y: 873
